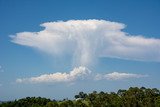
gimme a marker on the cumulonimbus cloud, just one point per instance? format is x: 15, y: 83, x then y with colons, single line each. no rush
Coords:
x: 118, y: 76
x: 75, y: 74
x: 87, y: 40
x: 79, y: 73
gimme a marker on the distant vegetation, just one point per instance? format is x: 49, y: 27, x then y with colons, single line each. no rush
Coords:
x: 133, y: 97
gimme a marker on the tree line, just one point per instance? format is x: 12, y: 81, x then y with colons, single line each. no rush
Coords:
x: 133, y: 97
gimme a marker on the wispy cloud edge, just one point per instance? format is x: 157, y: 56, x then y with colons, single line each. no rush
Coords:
x: 118, y: 76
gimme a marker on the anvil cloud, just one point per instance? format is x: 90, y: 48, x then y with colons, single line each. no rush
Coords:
x: 87, y: 40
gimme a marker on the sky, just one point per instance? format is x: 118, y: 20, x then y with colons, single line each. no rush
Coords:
x: 57, y: 48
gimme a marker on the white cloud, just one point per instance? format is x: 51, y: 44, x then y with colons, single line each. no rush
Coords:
x: 75, y: 74
x: 79, y: 73
x: 86, y: 40
x: 118, y: 76
x: 1, y: 70
x: 0, y: 85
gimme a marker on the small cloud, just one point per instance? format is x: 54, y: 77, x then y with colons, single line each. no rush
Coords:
x: 0, y: 85
x: 118, y: 76
x: 75, y: 74
x: 79, y: 73
x: 1, y: 70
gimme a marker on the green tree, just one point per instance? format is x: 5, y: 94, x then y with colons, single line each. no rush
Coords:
x: 79, y: 103
x: 157, y: 102
x: 52, y: 104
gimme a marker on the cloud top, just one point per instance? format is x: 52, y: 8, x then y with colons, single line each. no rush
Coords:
x: 87, y: 40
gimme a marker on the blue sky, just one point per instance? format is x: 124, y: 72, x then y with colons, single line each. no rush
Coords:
x: 20, y: 60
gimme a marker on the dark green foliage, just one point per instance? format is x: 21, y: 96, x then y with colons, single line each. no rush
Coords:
x: 79, y: 103
x: 27, y: 102
x: 81, y: 95
x: 133, y: 97
x: 66, y: 103
x: 52, y: 104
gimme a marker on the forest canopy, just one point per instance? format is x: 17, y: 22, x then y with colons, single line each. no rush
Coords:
x: 133, y: 97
